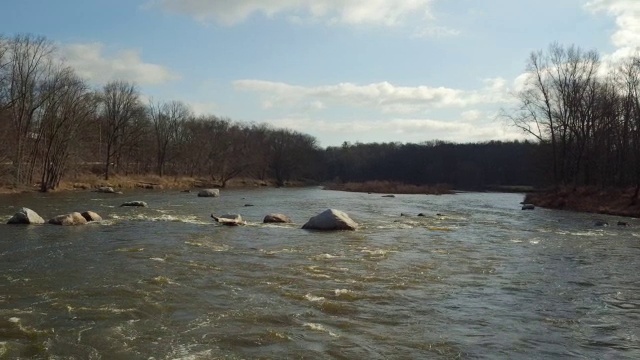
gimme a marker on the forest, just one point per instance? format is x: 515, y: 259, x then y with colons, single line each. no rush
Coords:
x: 583, y: 119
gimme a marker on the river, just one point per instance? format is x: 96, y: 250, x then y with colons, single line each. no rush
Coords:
x: 476, y: 278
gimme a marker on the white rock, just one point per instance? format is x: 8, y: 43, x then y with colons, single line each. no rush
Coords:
x: 26, y: 216
x: 331, y: 219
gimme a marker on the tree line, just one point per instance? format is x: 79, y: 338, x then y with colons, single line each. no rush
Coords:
x: 585, y: 114
x: 585, y: 120
x: 52, y: 121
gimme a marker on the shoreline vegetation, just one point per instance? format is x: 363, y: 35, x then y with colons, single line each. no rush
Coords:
x: 613, y: 201
x: 150, y: 182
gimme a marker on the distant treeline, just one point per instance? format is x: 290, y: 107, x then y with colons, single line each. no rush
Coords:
x: 53, y: 124
x: 476, y: 166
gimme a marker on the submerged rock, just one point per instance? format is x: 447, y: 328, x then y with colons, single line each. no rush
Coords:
x: 135, y: 203
x: 331, y: 219
x: 91, y: 216
x: 209, y: 193
x: 229, y: 219
x: 622, y: 223
x: 528, y: 207
x: 276, y: 218
x: 389, y: 196
x: 75, y: 218
x: 600, y: 223
x: 26, y: 216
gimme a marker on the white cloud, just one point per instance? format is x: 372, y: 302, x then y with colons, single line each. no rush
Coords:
x: 400, y: 129
x: 627, y: 15
x: 382, y: 96
x: 471, y: 115
x: 90, y: 62
x: 352, y: 12
x: 202, y: 107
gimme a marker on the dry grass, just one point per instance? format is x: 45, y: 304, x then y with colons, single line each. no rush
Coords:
x: 588, y: 199
x: 389, y: 187
x: 120, y: 182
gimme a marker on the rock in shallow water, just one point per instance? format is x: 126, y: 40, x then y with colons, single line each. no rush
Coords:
x: 276, y: 218
x: 74, y: 218
x: 209, y: 193
x: 26, y: 216
x: 91, y: 216
x: 229, y: 219
x: 331, y: 219
x: 135, y: 203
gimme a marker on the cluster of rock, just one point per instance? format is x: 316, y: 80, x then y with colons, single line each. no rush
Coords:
x: 329, y: 219
x: 30, y: 217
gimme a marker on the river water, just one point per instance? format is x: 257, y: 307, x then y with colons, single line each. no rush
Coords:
x: 475, y: 278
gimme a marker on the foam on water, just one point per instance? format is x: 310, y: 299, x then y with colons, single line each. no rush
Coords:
x: 208, y: 245
x: 313, y: 298
x: 190, y: 219
x: 320, y: 328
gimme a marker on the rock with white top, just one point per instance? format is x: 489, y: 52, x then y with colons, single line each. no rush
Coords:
x: 26, y: 216
x: 331, y: 219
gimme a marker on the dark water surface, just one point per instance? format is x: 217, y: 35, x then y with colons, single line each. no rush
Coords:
x: 485, y: 280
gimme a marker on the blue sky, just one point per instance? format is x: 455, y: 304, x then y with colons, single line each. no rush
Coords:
x: 340, y: 70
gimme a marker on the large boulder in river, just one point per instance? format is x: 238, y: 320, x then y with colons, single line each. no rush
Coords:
x: 26, y: 216
x: 91, y: 216
x: 75, y: 218
x: 276, y: 218
x: 331, y: 219
x: 209, y: 193
x: 135, y: 204
x: 229, y: 219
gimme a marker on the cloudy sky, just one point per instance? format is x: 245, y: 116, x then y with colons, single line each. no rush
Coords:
x: 340, y: 70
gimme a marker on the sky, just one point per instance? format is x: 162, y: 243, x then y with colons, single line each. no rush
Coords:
x: 365, y: 71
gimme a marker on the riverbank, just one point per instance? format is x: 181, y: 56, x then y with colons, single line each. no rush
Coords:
x: 588, y: 199
x: 151, y: 182
x: 389, y: 187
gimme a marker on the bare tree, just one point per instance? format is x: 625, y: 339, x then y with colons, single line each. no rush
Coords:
x: 557, y: 105
x: 166, y: 118
x: 29, y: 66
x: 120, y: 104
x: 69, y: 109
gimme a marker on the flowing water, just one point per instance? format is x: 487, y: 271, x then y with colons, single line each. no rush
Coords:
x: 475, y: 278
